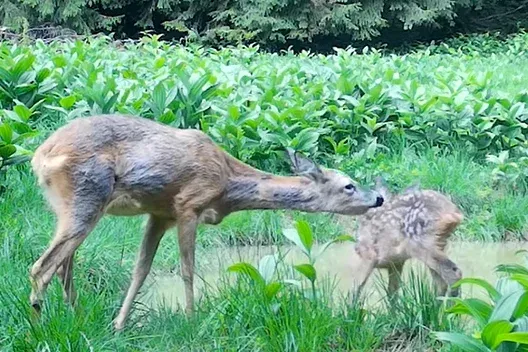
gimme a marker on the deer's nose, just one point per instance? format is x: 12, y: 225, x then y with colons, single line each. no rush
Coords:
x: 379, y: 201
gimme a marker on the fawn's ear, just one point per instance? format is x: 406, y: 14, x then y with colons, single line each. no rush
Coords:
x: 382, y: 188
x: 303, y: 166
x: 413, y: 188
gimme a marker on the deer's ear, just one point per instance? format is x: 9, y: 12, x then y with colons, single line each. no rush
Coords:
x: 303, y: 166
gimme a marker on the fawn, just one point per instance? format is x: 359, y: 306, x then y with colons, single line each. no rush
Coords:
x: 413, y: 224
x: 126, y: 166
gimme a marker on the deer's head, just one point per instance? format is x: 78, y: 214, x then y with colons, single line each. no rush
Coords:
x: 336, y: 192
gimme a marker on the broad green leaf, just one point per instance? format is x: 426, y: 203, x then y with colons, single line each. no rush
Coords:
x: 109, y: 105
x: 67, y: 102
x: 159, y: 97
x: 167, y: 118
x: 43, y: 74
x: 7, y: 150
x: 20, y: 128
x: 23, y: 112
x: 247, y: 269
x: 478, y: 309
x: 492, y: 292
x: 522, y: 306
x: 492, y: 330
x: 511, y: 269
x: 59, y: 61
x: 160, y: 61
x: 197, y: 87
x: 210, y: 92
x: 22, y: 66
x: 5, y: 75
x: 506, y: 306
x: 6, y: 133
x: 517, y: 337
x: 17, y: 160
x: 305, y: 234
x: 521, y: 324
x: 293, y: 236
x: 234, y: 112
x: 267, y: 267
x: 521, y: 279
x: 271, y: 289
x: 307, y: 270
x: 462, y: 341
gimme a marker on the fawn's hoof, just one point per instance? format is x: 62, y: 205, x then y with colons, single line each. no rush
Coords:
x: 119, y: 325
x: 36, y: 307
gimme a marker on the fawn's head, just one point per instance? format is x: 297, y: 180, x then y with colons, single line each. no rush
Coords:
x: 340, y: 193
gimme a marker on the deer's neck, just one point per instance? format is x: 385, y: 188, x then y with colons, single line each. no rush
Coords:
x: 265, y: 191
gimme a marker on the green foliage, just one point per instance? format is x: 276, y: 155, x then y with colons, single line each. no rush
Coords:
x: 334, y: 108
x: 501, y: 324
x: 23, y: 88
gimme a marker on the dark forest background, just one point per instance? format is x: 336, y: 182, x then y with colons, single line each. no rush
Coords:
x: 318, y: 25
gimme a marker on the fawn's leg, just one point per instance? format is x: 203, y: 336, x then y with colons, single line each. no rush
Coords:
x: 65, y: 273
x: 187, y: 224
x: 155, y: 230
x: 371, y: 266
x: 395, y: 273
x: 78, y: 197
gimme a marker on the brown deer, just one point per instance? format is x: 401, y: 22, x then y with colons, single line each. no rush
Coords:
x: 124, y: 165
x: 414, y: 224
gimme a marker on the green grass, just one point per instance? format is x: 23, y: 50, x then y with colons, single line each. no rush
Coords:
x: 234, y: 318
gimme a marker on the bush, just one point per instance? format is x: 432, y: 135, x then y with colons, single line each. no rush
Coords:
x: 255, y: 105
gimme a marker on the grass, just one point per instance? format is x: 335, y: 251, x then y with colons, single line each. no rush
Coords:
x: 234, y: 317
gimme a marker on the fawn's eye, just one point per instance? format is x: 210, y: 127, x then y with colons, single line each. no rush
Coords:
x: 350, y: 187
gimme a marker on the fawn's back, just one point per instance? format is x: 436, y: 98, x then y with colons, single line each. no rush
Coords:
x: 413, y: 220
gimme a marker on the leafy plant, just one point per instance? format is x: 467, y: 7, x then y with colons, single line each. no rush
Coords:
x: 303, y: 238
x: 14, y: 131
x: 502, y: 324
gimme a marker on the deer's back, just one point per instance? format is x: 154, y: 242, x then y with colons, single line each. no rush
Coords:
x: 145, y: 157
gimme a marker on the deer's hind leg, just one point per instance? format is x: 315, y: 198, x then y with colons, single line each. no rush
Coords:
x: 78, y: 197
x: 65, y: 274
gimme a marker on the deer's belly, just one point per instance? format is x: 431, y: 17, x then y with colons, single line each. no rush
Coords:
x: 125, y: 205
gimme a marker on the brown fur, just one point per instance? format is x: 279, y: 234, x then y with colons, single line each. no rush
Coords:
x: 414, y: 224
x: 128, y: 166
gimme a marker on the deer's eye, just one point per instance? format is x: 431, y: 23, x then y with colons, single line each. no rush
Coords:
x: 350, y: 187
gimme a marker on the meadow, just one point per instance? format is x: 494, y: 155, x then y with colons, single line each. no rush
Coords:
x: 452, y: 117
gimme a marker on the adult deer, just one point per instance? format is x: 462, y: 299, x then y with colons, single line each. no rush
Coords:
x: 124, y: 165
x: 413, y: 224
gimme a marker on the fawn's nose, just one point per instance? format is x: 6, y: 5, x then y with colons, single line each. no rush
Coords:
x: 379, y: 201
